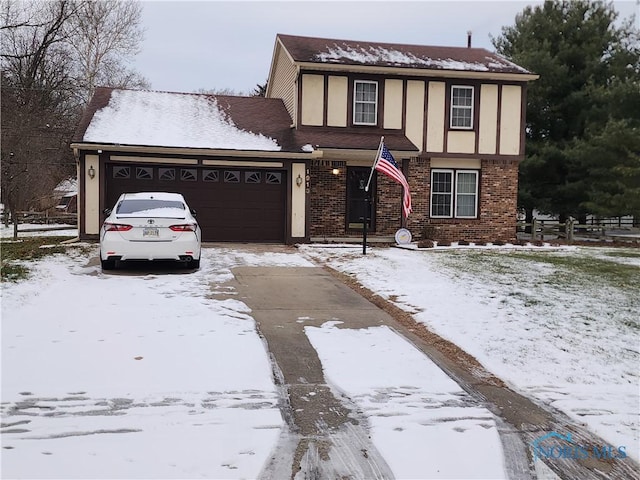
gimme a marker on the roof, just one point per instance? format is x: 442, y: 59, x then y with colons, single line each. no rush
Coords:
x: 167, y: 119
x: 376, y: 54
x: 186, y: 120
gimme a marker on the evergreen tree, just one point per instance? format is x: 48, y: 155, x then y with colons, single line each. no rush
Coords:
x: 583, y: 113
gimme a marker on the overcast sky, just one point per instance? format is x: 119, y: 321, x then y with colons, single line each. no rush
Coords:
x: 213, y: 45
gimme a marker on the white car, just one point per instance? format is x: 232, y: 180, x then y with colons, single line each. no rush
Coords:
x: 150, y: 226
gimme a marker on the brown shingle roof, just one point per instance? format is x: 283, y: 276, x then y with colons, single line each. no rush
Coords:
x: 350, y: 52
x: 258, y: 115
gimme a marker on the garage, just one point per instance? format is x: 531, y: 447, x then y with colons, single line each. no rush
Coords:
x: 232, y: 204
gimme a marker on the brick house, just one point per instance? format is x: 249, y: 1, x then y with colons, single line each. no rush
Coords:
x: 453, y: 118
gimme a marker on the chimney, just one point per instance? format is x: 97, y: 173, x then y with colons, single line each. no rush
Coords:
x: 468, y: 38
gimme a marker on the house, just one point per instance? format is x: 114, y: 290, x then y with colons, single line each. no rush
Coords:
x: 291, y: 167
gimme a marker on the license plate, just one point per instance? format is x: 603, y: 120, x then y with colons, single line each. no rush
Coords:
x: 150, y: 232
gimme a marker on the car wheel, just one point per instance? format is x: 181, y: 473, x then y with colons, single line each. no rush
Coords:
x: 108, y: 264
x: 194, y: 264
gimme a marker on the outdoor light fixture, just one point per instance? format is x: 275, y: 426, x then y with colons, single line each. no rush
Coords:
x: 92, y: 172
x: 299, y: 180
x: 336, y: 171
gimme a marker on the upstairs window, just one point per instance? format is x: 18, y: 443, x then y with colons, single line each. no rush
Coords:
x: 461, y: 107
x: 365, y: 103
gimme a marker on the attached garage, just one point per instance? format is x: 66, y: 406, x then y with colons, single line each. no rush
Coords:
x: 232, y: 203
x: 235, y: 160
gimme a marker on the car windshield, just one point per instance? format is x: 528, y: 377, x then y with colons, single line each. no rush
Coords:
x: 147, y: 205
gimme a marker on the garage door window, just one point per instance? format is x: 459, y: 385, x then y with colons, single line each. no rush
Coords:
x: 210, y: 176
x: 274, y: 178
x: 167, y: 174
x: 232, y: 176
x: 144, y: 173
x: 188, y: 174
x: 121, y: 172
x: 252, y: 177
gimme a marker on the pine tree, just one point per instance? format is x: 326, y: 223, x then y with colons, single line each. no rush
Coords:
x: 583, y: 113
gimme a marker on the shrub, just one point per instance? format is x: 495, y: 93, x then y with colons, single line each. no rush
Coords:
x: 425, y: 244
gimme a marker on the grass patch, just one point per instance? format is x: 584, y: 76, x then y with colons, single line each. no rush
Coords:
x: 26, y: 249
x: 587, y: 267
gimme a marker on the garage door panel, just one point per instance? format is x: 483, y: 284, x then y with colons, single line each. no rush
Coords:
x: 231, y: 204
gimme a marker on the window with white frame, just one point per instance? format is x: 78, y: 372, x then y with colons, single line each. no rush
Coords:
x: 454, y: 193
x: 461, y: 107
x: 365, y: 103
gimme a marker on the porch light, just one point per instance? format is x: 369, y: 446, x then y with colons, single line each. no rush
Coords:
x: 299, y: 180
x: 92, y: 172
x: 336, y: 171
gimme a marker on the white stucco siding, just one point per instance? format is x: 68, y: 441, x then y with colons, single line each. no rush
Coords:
x: 337, y: 101
x: 312, y: 99
x: 510, y: 120
x: 414, y: 128
x: 298, y: 200
x: 435, y: 117
x: 91, y: 195
x: 488, y: 129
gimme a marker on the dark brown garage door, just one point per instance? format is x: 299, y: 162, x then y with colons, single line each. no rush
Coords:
x: 232, y: 204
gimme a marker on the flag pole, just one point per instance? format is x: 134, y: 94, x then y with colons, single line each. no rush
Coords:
x: 375, y: 162
x: 367, y: 203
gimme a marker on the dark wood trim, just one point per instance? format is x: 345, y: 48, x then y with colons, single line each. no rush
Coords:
x: 498, y: 119
x: 425, y: 115
x: 523, y: 119
x: 473, y: 156
x: 403, y: 120
x: 325, y: 101
x: 82, y: 197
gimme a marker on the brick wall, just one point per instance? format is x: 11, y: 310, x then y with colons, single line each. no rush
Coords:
x: 497, y: 204
x: 327, y: 200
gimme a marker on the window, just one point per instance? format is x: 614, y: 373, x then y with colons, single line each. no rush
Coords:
x: 231, y: 176
x: 167, y: 174
x: 461, y: 107
x: 252, y: 177
x: 454, y: 193
x: 144, y: 173
x: 274, y: 178
x: 365, y: 103
x: 188, y: 174
x: 121, y: 172
x: 210, y: 176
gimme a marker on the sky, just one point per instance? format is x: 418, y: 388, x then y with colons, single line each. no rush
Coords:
x: 215, y: 45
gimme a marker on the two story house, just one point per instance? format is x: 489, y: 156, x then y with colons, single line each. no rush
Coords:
x: 292, y: 167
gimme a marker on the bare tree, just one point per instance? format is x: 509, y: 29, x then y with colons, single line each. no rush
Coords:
x: 105, y: 35
x: 54, y: 53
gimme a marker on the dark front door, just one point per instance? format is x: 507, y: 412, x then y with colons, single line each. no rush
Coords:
x: 357, y: 178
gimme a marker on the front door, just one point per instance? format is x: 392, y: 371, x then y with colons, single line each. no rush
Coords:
x: 357, y: 178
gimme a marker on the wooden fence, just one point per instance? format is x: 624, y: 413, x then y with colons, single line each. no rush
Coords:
x: 571, y: 230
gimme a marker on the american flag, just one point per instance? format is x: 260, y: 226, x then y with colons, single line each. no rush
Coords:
x: 387, y: 165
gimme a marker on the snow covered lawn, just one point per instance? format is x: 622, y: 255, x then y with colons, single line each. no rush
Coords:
x: 559, y: 325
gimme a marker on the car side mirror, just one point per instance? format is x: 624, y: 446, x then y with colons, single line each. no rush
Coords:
x: 193, y: 212
x: 107, y: 211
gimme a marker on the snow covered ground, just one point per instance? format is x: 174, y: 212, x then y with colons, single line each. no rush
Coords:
x: 162, y: 374
x: 566, y: 336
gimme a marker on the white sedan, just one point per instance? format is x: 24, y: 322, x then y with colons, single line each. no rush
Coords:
x: 150, y: 226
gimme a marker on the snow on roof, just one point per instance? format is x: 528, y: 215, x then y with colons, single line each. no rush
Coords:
x: 171, y: 120
x: 377, y: 55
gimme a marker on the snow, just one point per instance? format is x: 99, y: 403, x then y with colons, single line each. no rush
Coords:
x: 171, y: 120
x: 549, y: 332
x: 416, y: 412
x: 377, y: 55
x: 163, y: 374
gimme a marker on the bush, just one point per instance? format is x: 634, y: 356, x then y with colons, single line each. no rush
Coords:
x: 498, y: 243
x: 463, y: 242
x: 444, y: 243
x: 425, y: 244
